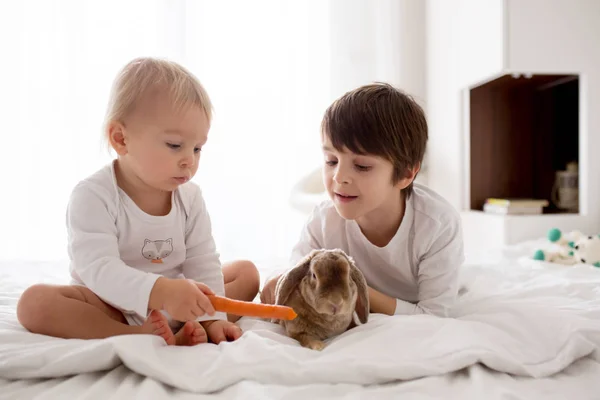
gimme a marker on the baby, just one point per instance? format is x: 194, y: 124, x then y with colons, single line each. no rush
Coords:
x: 143, y: 258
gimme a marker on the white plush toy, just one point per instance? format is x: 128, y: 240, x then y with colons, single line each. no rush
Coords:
x: 576, y: 248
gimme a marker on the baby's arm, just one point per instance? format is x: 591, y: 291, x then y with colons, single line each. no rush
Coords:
x: 202, y: 262
x: 438, y: 274
x: 93, y: 248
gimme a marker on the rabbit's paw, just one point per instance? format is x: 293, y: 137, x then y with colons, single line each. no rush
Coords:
x: 316, y: 345
x: 309, y: 341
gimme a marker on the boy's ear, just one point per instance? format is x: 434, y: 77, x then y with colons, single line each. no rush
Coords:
x: 415, y: 170
x: 409, y: 176
x: 116, y: 137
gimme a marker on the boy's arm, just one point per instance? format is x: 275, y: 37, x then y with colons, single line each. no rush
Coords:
x: 202, y: 263
x: 94, y: 250
x: 437, y: 280
x: 381, y: 303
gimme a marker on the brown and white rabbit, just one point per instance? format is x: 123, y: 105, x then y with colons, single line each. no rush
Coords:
x: 327, y: 292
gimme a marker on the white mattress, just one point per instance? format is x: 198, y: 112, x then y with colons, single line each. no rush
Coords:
x: 523, y: 330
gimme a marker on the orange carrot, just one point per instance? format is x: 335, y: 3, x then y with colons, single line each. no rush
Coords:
x: 249, y: 309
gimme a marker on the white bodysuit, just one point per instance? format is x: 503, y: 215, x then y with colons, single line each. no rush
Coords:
x: 419, y: 266
x: 118, y: 251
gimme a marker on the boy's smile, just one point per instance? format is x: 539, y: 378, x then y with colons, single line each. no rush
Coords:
x: 344, y: 198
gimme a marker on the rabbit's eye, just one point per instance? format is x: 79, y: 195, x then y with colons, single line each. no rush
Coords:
x: 314, y: 276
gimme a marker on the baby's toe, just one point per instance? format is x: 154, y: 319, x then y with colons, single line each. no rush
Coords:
x: 189, y: 327
x: 157, y: 324
x: 199, y: 336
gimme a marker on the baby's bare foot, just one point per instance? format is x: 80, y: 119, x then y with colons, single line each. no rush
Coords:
x: 157, y: 324
x: 191, y: 334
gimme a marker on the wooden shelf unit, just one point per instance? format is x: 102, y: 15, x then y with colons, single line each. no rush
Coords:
x: 523, y: 128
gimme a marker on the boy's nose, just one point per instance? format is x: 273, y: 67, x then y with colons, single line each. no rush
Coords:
x: 341, y: 178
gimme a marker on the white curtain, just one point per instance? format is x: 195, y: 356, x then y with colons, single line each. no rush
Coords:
x: 270, y: 66
x: 264, y: 63
x: 58, y: 60
x: 266, y: 66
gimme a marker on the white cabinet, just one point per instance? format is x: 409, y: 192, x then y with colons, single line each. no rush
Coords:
x: 551, y: 43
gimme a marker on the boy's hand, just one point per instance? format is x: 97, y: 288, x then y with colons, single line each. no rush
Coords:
x: 183, y: 299
x: 220, y: 330
x: 267, y: 294
x: 381, y: 303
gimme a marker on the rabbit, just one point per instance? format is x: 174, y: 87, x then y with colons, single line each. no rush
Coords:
x: 329, y: 294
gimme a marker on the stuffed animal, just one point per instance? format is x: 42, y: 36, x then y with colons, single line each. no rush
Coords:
x: 572, y: 249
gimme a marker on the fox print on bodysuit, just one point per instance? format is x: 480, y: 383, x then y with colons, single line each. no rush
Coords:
x: 157, y: 250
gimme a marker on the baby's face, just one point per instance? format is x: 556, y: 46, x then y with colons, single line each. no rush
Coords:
x: 359, y: 185
x: 164, y: 143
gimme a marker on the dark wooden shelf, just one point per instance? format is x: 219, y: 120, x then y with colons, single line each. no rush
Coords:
x: 523, y: 129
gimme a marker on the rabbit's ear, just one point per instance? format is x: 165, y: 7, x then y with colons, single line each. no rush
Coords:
x: 362, y: 299
x: 291, y: 279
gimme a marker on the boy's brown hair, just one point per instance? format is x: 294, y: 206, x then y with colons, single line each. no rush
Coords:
x: 381, y: 120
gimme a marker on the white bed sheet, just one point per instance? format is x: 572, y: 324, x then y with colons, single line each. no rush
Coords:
x: 523, y: 330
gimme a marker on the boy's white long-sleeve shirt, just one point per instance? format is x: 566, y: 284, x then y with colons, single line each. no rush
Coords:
x: 119, y: 251
x: 419, y: 266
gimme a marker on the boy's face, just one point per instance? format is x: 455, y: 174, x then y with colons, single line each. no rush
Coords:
x: 162, y: 144
x: 360, y: 185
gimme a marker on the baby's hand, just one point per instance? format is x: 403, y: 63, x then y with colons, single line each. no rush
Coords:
x: 220, y: 330
x: 267, y: 294
x: 183, y: 299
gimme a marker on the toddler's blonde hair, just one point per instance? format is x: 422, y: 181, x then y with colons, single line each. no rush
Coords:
x: 145, y: 74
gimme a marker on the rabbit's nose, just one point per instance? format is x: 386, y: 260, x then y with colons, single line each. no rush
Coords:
x: 335, y: 308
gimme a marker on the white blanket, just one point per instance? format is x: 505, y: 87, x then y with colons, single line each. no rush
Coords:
x: 517, y: 318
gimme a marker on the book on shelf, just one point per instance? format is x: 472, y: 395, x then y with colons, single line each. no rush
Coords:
x: 515, y: 206
x: 511, y: 210
x: 509, y: 202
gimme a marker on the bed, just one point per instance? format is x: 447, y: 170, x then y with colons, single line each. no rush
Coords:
x: 521, y: 329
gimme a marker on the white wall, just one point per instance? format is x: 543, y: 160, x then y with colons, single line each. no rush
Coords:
x: 465, y: 43
x: 370, y: 41
x: 381, y: 40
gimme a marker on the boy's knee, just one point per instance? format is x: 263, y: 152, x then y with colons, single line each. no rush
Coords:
x: 31, y: 308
